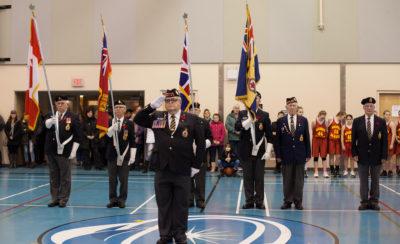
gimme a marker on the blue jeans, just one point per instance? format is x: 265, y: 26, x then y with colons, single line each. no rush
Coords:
x: 224, y: 164
x: 28, y: 151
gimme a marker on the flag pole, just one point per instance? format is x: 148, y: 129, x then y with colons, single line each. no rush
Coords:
x: 32, y: 8
x: 112, y: 99
x: 185, y: 16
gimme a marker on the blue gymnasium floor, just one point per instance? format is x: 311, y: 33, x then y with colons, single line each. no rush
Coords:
x: 330, y: 214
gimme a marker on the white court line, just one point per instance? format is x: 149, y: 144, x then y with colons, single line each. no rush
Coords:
x: 16, y: 194
x: 148, y: 200
x: 106, y: 181
x: 266, y: 205
x: 390, y: 189
x: 239, y: 196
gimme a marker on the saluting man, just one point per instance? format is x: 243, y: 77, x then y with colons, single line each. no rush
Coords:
x: 198, y: 182
x: 369, y: 147
x: 174, y: 161
x: 293, y: 150
x: 118, y: 167
x: 254, y: 153
x: 59, y: 154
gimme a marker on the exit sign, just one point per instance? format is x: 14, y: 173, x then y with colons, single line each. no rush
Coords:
x: 78, y: 82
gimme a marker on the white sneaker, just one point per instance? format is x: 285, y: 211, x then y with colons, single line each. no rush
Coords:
x: 326, y: 175
x: 345, y: 173
x: 352, y: 174
x: 316, y: 174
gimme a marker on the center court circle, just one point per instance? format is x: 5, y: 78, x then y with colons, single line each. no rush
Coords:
x: 142, y: 228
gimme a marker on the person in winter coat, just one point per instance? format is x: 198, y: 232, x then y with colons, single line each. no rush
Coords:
x: 14, y: 133
x: 218, y: 134
x: 90, y: 141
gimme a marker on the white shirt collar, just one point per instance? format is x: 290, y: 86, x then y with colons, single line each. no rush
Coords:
x: 121, y: 119
x: 177, y: 115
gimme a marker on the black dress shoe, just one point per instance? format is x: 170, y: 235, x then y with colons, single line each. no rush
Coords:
x: 112, y: 204
x: 248, y: 205
x: 363, y: 206
x: 298, y: 206
x: 390, y: 174
x: 164, y: 240
x: 374, y: 206
x: 260, y: 206
x: 52, y: 204
x: 200, y: 204
x: 180, y: 241
x: 121, y: 205
x: 62, y: 204
x: 191, y: 205
x: 286, y: 205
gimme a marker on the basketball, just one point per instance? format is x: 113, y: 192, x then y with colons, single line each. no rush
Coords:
x: 228, y: 171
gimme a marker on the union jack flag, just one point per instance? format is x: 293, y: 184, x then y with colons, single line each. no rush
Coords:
x: 184, y: 82
x: 105, y: 73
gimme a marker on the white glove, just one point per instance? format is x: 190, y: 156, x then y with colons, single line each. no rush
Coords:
x: 156, y: 103
x: 267, y: 153
x: 75, y: 147
x: 50, y: 122
x: 194, y: 171
x: 208, y: 143
x: 132, y: 157
x: 112, y: 129
x: 247, y: 123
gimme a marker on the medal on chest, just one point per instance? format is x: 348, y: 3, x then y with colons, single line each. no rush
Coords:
x: 185, y: 133
x: 301, y: 137
x: 125, y: 136
x: 260, y: 126
x: 68, y: 126
x: 159, y: 123
x: 379, y: 135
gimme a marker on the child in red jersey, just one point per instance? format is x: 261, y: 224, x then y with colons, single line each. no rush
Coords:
x: 320, y: 142
x: 334, y: 147
x: 346, y: 146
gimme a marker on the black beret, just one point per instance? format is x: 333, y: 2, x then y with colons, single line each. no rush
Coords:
x: 290, y: 100
x: 196, y: 105
x: 368, y: 100
x: 61, y: 98
x: 119, y: 102
x: 172, y: 93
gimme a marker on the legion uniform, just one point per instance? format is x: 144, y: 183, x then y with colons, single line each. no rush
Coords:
x: 370, y: 145
x: 252, y: 150
x: 173, y: 159
x: 293, y: 143
x: 59, y: 155
x: 118, y: 167
x: 198, y: 182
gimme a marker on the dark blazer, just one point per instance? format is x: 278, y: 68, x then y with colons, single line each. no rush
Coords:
x: 89, y: 129
x: 262, y: 128
x: 69, y: 125
x: 174, y: 152
x: 369, y: 152
x: 17, y: 136
x: 293, y: 149
x: 126, y: 138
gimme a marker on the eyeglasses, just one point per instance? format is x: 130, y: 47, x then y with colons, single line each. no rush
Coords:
x: 119, y: 107
x: 171, y: 100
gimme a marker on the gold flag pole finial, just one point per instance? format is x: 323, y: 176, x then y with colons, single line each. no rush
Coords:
x: 101, y: 19
x: 32, y: 8
x: 185, y: 16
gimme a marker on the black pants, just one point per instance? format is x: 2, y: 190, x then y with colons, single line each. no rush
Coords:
x: 198, y: 186
x: 253, y: 179
x: 115, y: 174
x: 172, y: 193
x: 138, y: 157
x: 293, y: 182
x: 363, y: 171
x: 91, y: 156
x: 60, y: 177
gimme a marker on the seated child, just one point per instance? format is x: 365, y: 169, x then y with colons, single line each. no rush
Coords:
x: 228, y: 158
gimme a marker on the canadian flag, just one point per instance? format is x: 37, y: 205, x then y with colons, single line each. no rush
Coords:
x: 31, y: 94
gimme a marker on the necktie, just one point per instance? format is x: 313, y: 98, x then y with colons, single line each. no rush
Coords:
x: 292, y: 129
x: 172, y: 125
x: 369, y: 128
x: 119, y: 125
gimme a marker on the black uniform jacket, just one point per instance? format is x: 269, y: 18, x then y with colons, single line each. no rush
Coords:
x: 126, y: 139
x: 174, y: 152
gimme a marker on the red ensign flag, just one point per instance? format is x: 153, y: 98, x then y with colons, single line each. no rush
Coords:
x: 105, y: 73
x: 31, y: 94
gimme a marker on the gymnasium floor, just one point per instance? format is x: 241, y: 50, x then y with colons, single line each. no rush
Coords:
x: 330, y: 214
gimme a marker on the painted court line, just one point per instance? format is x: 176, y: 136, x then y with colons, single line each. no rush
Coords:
x: 16, y: 194
x: 148, y: 200
x: 105, y: 181
x: 239, y: 197
x: 266, y: 205
x: 390, y: 189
